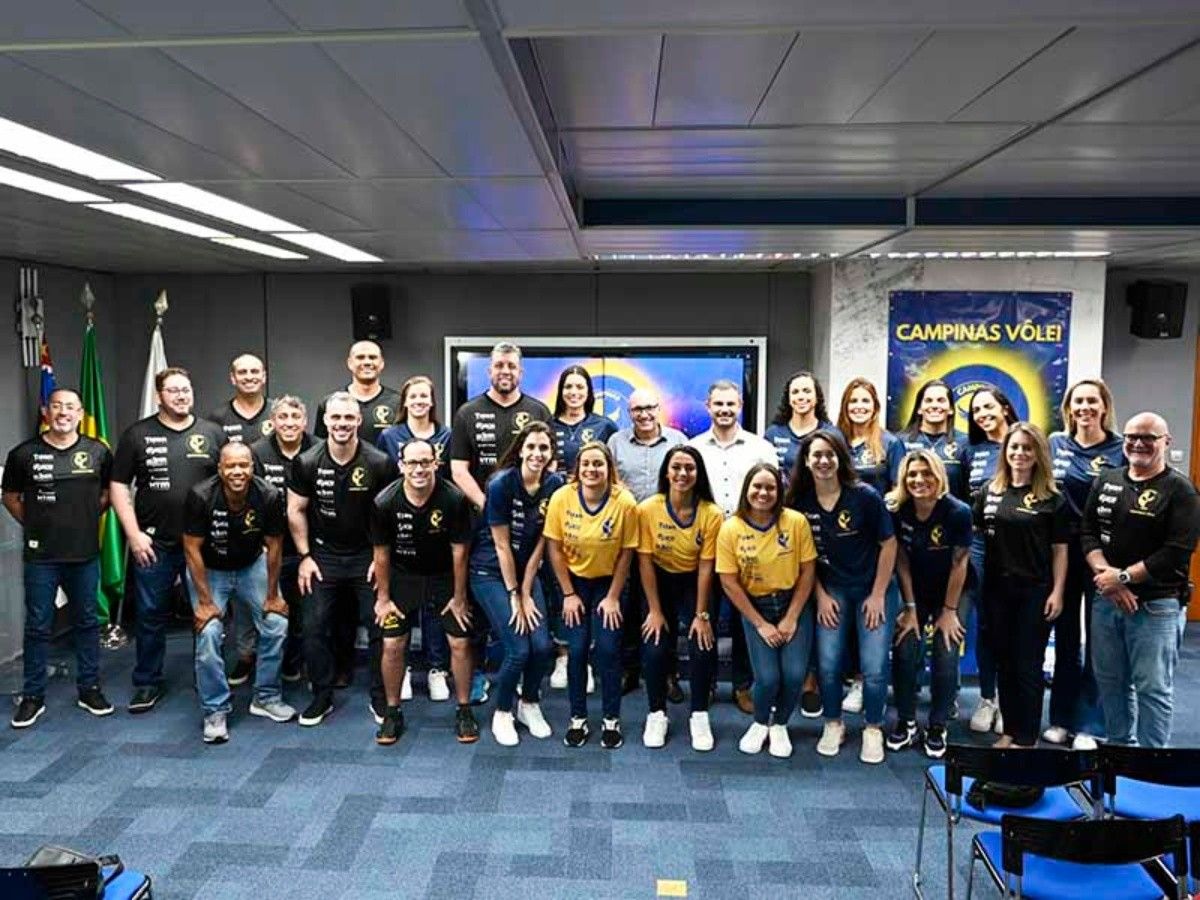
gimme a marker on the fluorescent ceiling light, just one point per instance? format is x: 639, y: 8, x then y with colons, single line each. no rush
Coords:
x: 258, y: 247
x: 19, y: 140
x: 26, y: 182
x: 152, y: 217
x: 328, y: 246
x: 202, y: 201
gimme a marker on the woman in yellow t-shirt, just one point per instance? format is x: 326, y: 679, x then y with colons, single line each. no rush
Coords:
x: 591, y: 534
x: 677, y: 544
x: 767, y: 562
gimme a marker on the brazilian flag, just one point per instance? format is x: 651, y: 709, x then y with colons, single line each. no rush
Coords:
x: 95, y: 425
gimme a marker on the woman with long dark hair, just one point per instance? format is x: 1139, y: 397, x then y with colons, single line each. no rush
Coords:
x: 931, y: 427
x: 856, y: 556
x: 801, y: 412
x: 677, y: 550
x: 504, y: 566
x: 875, y: 451
x: 575, y: 421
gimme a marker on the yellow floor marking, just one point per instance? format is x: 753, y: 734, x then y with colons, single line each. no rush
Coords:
x: 668, y: 888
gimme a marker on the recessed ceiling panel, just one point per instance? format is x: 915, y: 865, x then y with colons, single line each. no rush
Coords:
x: 716, y: 79
x: 601, y: 81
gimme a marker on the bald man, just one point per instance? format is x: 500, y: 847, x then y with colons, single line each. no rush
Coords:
x: 640, y: 450
x: 1139, y: 529
x: 377, y: 403
x: 247, y: 415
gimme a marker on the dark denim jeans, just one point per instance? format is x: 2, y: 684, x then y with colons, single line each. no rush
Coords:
x: 779, y: 672
x: 152, y: 586
x: 606, y: 652
x: 677, y: 594
x: 526, y: 656
x: 79, y: 581
x: 908, y: 659
x: 343, y: 595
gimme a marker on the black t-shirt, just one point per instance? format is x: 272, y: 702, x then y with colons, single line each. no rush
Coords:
x: 163, y: 464
x: 420, y: 536
x: 340, y: 497
x: 378, y: 415
x: 1156, y: 522
x: 271, y: 464
x: 239, y: 428
x: 1019, y: 532
x: 61, y: 492
x: 930, y: 546
x: 233, y: 540
x: 483, y: 429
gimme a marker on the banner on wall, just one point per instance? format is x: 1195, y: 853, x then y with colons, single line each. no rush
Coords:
x: 1014, y: 340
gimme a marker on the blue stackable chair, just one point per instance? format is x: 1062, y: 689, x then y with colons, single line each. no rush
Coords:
x: 949, y: 782
x: 1147, y: 783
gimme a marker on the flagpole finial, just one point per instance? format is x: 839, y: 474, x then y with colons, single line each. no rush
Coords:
x: 88, y: 299
x: 161, y: 306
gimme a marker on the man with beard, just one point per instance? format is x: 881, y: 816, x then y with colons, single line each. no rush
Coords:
x: 246, y: 416
x: 227, y: 520
x: 162, y: 456
x: 378, y: 405
x: 330, y: 498
x: 273, y: 458
x: 56, y: 486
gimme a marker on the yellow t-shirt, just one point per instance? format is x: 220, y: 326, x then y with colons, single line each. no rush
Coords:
x: 765, y: 561
x: 592, y: 539
x: 673, y: 546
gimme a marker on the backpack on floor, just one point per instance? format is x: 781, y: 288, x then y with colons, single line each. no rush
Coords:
x: 1008, y: 796
x: 104, y: 877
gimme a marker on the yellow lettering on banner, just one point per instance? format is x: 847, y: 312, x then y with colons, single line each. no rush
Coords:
x: 1036, y: 334
x: 668, y: 888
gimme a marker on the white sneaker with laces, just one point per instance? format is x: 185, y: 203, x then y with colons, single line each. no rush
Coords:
x: 872, y: 746
x: 1084, y: 741
x: 1055, y: 734
x: 275, y: 710
x: 998, y: 727
x: 406, y: 687
x: 701, y: 729
x: 853, y: 701
x: 215, y: 730
x: 754, y: 738
x: 985, y: 716
x: 655, y: 733
x: 779, y: 744
x: 558, y: 678
x: 833, y: 735
x: 439, y: 688
x: 530, y: 715
x: 503, y: 729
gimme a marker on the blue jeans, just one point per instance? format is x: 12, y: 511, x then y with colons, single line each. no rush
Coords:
x: 526, y: 656
x: 778, y: 671
x: 1134, y: 658
x: 78, y: 581
x: 606, y: 655
x: 907, y: 662
x: 677, y: 594
x: 152, y: 588
x: 873, y: 648
x: 248, y: 587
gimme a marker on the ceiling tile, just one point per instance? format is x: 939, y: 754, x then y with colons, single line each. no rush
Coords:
x: 404, y: 203
x: 716, y: 79
x: 600, y: 81
x: 517, y: 202
x: 159, y: 18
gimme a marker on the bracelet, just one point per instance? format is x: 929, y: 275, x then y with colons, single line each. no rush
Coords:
x: 512, y: 590
x: 304, y: 556
x: 570, y: 594
x: 952, y: 608
x: 909, y: 605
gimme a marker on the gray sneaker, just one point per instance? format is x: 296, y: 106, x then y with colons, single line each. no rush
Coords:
x: 215, y: 731
x: 275, y: 710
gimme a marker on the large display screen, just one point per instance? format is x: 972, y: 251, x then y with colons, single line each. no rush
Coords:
x: 680, y: 375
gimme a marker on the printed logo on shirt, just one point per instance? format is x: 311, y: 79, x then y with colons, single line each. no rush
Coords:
x: 382, y: 414
x: 197, y: 446
x: 1028, y: 500
x: 82, y: 463
x: 950, y: 450
x: 607, y: 528
x: 249, y: 521
x: 543, y: 506
x: 266, y: 428
x: 699, y: 539
x: 866, y: 458
x: 1145, y: 502
x: 782, y: 539
x: 358, y: 479
x: 1096, y: 465
x: 435, y: 521
x: 521, y: 419
x: 844, y: 520
x: 586, y: 436
x: 937, y: 534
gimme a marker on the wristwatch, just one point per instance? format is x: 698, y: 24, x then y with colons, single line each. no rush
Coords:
x: 703, y: 616
x: 1124, y: 577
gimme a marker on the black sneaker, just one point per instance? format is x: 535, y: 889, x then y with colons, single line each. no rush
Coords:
x: 610, y: 734
x: 91, y: 699
x: 316, y: 711
x: 144, y: 699
x: 242, y: 672
x: 935, y: 741
x: 28, y: 712
x: 674, y: 691
x: 391, y: 726
x: 465, y: 725
x: 378, y: 709
x: 577, y: 733
x: 904, y: 735
x: 810, y: 705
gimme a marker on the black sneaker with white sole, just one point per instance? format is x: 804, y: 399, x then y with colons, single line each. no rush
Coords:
x: 935, y: 741
x: 378, y: 709
x: 810, y: 705
x: 29, y: 710
x: 316, y: 712
x: 904, y: 735
x: 577, y: 733
x: 610, y: 734
x: 241, y: 672
x: 94, y: 701
x: 145, y: 698
x: 466, y: 728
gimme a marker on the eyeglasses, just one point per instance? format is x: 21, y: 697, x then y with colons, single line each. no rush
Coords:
x: 638, y: 410
x: 1149, y: 439
x: 418, y: 463
x: 177, y: 391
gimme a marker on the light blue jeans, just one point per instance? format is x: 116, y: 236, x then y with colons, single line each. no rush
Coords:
x: 1134, y: 657
x: 874, y: 646
x: 248, y: 587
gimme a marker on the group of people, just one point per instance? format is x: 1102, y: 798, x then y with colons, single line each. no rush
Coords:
x: 841, y: 554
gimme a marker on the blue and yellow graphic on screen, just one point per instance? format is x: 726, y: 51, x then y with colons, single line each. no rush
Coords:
x: 1013, y: 340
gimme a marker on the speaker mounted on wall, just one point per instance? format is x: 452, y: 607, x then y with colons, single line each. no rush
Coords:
x: 371, y: 307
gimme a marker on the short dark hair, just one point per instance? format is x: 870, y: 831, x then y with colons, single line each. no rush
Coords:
x: 160, y: 378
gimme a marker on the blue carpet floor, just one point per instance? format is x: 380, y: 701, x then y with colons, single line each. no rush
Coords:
x: 284, y: 811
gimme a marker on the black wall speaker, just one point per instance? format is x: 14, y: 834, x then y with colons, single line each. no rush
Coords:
x: 1156, y: 308
x: 371, y: 305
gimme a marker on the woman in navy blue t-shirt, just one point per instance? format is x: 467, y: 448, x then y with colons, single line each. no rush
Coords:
x: 575, y: 421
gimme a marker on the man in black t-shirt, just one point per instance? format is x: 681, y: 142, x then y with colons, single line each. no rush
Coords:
x: 273, y: 458
x: 421, y: 532
x: 330, y: 498
x: 227, y: 520
x: 247, y: 415
x: 1139, y: 529
x: 56, y: 486
x: 161, y: 457
x: 378, y: 405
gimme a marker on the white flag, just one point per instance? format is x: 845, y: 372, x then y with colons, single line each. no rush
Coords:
x: 155, y: 364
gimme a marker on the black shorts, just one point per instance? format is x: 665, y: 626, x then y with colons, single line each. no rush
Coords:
x: 412, y: 592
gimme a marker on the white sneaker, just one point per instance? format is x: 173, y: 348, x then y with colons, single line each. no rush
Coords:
x: 406, y: 687
x: 872, y: 746
x: 591, y: 687
x: 439, y: 689
x: 754, y: 738
x: 655, y: 733
x: 558, y: 678
x: 503, y: 729
x: 985, y: 716
x: 530, y: 715
x: 1084, y: 741
x: 701, y: 729
x: 1055, y: 734
x: 853, y: 701
x: 779, y: 744
x: 998, y: 728
x: 275, y: 710
x: 832, y: 738
x: 215, y: 730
